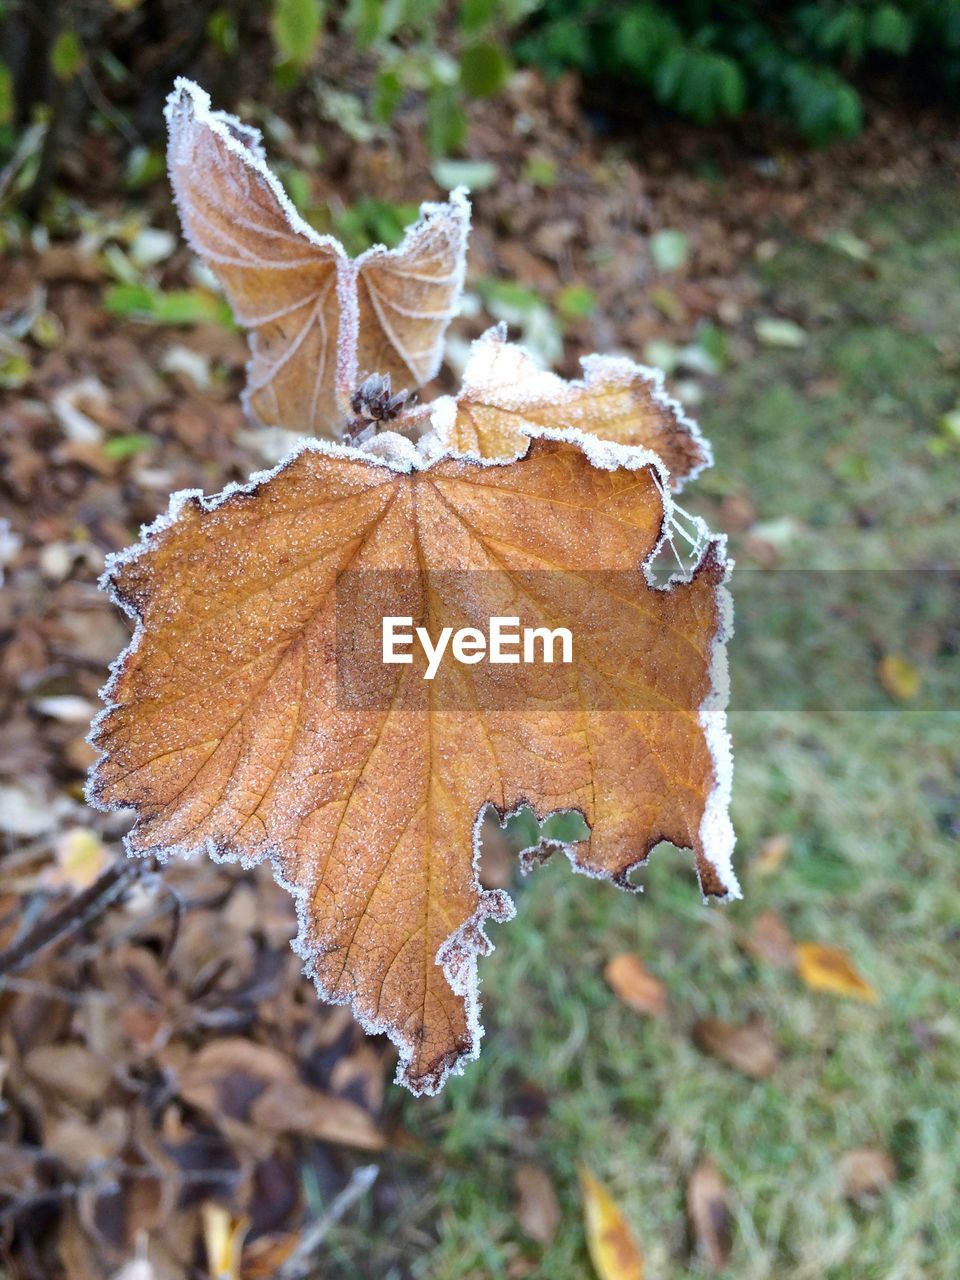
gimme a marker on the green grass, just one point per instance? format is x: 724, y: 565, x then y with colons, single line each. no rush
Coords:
x: 834, y: 438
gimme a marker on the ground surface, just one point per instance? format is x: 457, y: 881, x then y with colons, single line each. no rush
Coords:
x: 129, y: 1104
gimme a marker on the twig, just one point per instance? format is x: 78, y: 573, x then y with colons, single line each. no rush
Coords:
x: 44, y: 991
x: 299, y: 1262
x: 76, y: 915
x: 103, y: 104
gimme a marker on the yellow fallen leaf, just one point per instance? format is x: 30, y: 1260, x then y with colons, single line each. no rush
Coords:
x: 223, y: 1240
x: 81, y: 858
x: 899, y: 677
x: 614, y: 1251
x: 825, y: 968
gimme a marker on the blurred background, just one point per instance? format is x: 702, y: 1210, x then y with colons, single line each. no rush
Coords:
x: 761, y: 200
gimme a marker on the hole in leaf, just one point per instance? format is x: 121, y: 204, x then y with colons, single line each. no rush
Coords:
x: 502, y: 845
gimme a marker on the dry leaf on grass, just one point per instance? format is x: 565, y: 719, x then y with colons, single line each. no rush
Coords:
x: 236, y: 726
x: 635, y: 985
x: 708, y: 1208
x: 771, y: 856
x: 826, y: 968
x: 748, y: 1047
x: 899, y: 677
x: 538, y: 1210
x: 769, y: 940
x: 613, y: 1248
x: 866, y: 1172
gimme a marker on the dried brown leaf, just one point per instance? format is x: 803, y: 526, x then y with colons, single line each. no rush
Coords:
x: 708, y: 1208
x: 226, y: 1075
x: 769, y: 940
x: 505, y: 393
x: 538, y: 1210
x: 866, y: 1172
x: 317, y: 319
x: 70, y: 1070
x: 297, y: 1108
x: 78, y: 1142
x: 635, y: 985
x: 748, y: 1047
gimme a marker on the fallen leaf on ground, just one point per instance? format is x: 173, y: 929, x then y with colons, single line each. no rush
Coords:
x: 771, y: 855
x: 866, y: 1172
x: 749, y: 1046
x: 264, y: 1256
x: 669, y: 249
x: 769, y: 940
x: 223, y: 1239
x: 236, y: 725
x: 79, y: 1143
x: 635, y: 985
x: 81, y: 858
x: 70, y: 1070
x: 775, y: 331
x: 899, y: 677
x: 538, y: 1210
x: 708, y: 1208
x: 297, y: 1108
x: 225, y: 1075
x: 613, y: 1248
x: 825, y: 968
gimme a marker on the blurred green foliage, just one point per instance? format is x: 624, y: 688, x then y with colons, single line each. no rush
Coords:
x: 709, y: 59
x: 110, y: 64
x: 106, y: 65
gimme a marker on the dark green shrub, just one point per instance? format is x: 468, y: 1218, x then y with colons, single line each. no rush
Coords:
x: 709, y: 59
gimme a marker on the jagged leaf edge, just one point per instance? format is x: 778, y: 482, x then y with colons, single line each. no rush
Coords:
x: 596, y: 369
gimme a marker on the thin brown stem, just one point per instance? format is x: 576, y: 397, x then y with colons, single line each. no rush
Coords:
x: 79, y: 912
